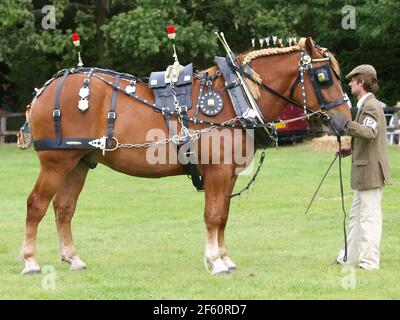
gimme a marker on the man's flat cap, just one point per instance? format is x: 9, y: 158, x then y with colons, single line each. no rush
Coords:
x: 362, y: 69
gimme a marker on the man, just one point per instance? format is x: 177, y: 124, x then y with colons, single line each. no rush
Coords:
x: 369, y: 171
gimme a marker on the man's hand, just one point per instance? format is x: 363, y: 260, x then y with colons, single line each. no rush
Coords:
x: 344, y: 152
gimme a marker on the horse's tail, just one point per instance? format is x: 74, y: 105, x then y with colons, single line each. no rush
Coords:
x: 24, y: 136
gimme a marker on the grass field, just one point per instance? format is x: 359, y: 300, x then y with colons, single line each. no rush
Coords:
x: 144, y: 238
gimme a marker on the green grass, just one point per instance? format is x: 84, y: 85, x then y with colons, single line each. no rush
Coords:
x: 144, y: 238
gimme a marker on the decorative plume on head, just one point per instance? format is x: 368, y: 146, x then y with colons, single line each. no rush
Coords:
x: 275, y: 41
x: 275, y: 47
x: 77, y: 44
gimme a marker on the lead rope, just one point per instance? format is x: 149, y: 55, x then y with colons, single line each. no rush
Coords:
x: 320, y: 184
x: 338, y: 155
x: 342, y: 195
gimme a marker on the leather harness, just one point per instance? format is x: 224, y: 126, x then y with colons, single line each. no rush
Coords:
x: 262, y: 135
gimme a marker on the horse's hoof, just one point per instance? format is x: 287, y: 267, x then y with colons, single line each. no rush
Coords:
x: 30, y: 271
x: 221, y: 273
x: 229, y: 264
x: 30, y: 267
x: 77, y: 265
x: 232, y: 269
x: 218, y: 268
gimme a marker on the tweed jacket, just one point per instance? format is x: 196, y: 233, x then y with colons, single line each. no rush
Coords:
x: 370, y: 165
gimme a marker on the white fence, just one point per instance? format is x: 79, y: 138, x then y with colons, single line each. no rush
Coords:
x: 3, y: 124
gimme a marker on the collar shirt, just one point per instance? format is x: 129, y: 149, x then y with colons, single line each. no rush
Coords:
x: 362, y: 99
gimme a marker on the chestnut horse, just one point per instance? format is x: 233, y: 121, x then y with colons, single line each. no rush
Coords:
x: 62, y: 173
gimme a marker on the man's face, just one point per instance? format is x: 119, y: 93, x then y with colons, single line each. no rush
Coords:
x: 355, y: 86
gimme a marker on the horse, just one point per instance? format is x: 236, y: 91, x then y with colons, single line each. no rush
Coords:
x: 63, y: 171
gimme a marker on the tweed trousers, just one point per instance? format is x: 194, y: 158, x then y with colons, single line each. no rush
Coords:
x: 365, y: 230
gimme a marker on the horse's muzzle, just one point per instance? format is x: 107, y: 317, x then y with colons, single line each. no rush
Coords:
x: 339, y: 125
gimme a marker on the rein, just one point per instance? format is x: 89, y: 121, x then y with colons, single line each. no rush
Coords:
x: 320, y: 78
x: 253, y: 179
x: 320, y: 184
x: 267, y: 87
x: 338, y: 154
x: 227, y: 123
x: 342, y: 196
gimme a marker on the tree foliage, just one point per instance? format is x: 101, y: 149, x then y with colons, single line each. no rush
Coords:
x: 130, y: 36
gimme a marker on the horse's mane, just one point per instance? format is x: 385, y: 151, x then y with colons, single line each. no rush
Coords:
x: 245, y: 58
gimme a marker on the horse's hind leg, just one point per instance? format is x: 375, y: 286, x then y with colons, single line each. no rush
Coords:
x: 218, y: 186
x: 55, y: 165
x: 64, y: 204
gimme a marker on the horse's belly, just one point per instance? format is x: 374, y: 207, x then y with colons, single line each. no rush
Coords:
x: 140, y: 163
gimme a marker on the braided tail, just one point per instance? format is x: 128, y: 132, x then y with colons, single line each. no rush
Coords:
x: 24, y: 136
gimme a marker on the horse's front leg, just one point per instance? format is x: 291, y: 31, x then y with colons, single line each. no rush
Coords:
x: 218, y: 183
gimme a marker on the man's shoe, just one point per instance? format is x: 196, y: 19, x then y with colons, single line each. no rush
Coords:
x: 335, y: 263
x: 367, y: 269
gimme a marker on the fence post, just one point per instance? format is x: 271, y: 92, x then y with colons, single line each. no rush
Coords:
x: 3, y: 127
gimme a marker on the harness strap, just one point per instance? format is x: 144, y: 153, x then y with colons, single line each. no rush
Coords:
x: 191, y: 168
x: 193, y: 119
x: 267, y: 87
x: 171, y: 129
x: 332, y: 104
x: 188, y: 159
x: 112, y: 115
x: 322, y: 102
x: 202, y: 85
x: 262, y: 134
x: 66, y: 143
x: 57, y: 111
x: 295, y: 84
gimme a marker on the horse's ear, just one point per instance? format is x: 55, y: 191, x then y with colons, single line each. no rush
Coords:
x: 309, y: 45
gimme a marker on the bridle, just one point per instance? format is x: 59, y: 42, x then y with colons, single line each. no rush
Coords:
x: 321, y: 77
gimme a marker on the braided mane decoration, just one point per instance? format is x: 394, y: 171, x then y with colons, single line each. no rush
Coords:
x: 254, y: 88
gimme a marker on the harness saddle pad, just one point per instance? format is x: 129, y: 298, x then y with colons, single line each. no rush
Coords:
x: 163, y: 91
x: 240, y: 102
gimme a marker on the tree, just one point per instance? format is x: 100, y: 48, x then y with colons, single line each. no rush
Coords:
x: 130, y: 36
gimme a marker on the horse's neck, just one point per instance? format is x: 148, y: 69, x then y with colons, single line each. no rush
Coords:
x: 273, y: 107
x: 279, y: 76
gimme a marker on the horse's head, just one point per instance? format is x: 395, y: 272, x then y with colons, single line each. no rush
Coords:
x: 306, y: 73
x: 323, y: 87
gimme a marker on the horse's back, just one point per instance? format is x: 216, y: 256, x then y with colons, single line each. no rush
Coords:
x: 135, y: 123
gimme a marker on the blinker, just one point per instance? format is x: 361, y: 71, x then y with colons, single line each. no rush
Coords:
x: 321, y: 77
